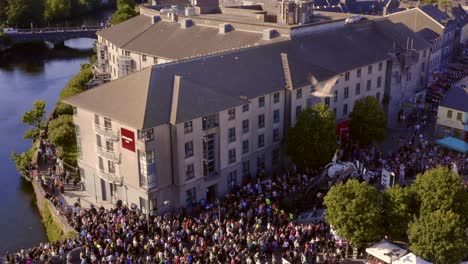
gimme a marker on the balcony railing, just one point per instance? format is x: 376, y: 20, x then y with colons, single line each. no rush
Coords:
x: 211, y: 175
x: 106, y: 132
x: 110, y: 155
x: 110, y: 177
x: 147, y: 182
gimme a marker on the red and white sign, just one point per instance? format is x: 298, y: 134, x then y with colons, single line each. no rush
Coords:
x: 128, y: 139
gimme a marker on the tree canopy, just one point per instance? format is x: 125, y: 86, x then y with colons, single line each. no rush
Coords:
x: 441, y: 189
x: 62, y: 131
x: 401, y: 206
x: 74, y: 86
x: 22, y: 13
x: 367, y: 121
x: 354, y: 210
x: 439, y: 237
x: 312, y: 141
x: 34, y: 118
x: 57, y: 9
x: 124, y: 12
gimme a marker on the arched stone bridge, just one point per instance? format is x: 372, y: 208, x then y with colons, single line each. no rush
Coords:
x: 53, y: 35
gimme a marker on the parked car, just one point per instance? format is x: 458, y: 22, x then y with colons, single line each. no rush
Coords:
x: 10, y: 31
x: 314, y: 217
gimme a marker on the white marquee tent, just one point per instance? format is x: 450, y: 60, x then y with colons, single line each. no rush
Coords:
x: 411, y: 259
x: 384, y: 249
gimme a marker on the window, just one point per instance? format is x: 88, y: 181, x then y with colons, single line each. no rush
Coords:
x: 261, y: 121
x: 276, y: 135
x: 276, y: 116
x: 358, y: 89
x: 110, y: 166
x: 109, y: 145
x: 261, y: 141
x: 147, y: 167
x: 191, y: 196
x: 189, y: 172
x: 209, y: 122
x: 378, y: 96
x: 260, y: 163
x: 369, y: 69
x: 245, y: 108
x: 232, y: 179
x: 298, y: 93
x: 232, y: 114
x: 335, y: 96
x: 246, y: 168
x: 98, y: 141
x: 261, y: 101
x: 423, y: 67
x: 245, y: 146
x: 327, y: 101
x: 143, y: 58
x: 298, y: 110
x: 101, y: 164
x: 107, y: 123
x: 459, y: 116
x: 96, y: 119
x: 188, y: 127
x: 369, y: 84
x: 146, y: 135
x: 245, y: 126
x: 275, y: 157
x: 276, y: 97
x: 358, y: 73
x: 346, y: 76
x: 424, y: 54
x: 188, y: 149
x: 449, y: 114
x: 380, y: 66
x: 232, y: 156
x: 143, y: 204
x: 379, y: 82
x: 155, y: 60
x: 127, y: 53
x: 232, y: 134
x: 345, y: 109
x: 346, y: 92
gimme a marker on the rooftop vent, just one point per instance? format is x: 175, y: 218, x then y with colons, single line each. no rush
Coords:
x: 269, y: 33
x: 186, y: 23
x: 224, y: 28
x: 155, y: 19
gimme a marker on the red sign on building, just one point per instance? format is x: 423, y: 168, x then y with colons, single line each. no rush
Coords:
x: 128, y: 139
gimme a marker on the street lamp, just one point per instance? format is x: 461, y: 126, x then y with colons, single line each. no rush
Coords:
x: 394, y: 176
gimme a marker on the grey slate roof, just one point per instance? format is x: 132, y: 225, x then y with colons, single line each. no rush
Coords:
x: 219, y: 82
x: 400, y: 33
x: 416, y: 20
x: 168, y: 40
x: 456, y: 98
x: 435, y: 13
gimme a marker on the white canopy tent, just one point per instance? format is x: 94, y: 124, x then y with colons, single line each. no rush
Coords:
x: 411, y: 259
x: 384, y: 250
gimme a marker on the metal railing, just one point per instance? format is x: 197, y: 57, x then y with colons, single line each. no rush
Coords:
x: 56, y: 29
x: 106, y: 132
x: 109, y: 154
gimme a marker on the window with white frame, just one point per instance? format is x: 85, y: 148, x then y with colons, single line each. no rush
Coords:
x: 276, y: 116
x: 190, y: 172
x: 147, y: 167
x: 232, y: 134
x: 231, y: 114
x: 232, y: 179
x: 189, y: 149
x: 188, y: 127
x: 232, y: 156
x: 245, y: 126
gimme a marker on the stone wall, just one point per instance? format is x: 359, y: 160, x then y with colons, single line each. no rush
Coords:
x: 40, y: 199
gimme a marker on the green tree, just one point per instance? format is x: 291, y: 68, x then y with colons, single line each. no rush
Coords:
x: 439, y: 237
x: 367, y: 121
x: 76, y: 85
x: 400, y: 207
x: 57, y: 9
x: 22, y: 162
x: 21, y: 13
x: 3, y: 11
x: 62, y: 131
x: 312, y: 141
x: 124, y: 12
x: 34, y: 118
x: 441, y: 189
x: 130, y: 3
x: 89, y: 5
x: 354, y: 210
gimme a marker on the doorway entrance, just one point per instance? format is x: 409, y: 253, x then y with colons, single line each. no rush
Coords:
x: 211, y: 193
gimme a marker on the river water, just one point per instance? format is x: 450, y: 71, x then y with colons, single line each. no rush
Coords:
x: 27, y: 76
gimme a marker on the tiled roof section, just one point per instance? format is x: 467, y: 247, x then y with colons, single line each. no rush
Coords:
x: 435, y: 13
x: 218, y: 82
x: 124, y: 99
x: 456, y: 98
x: 169, y: 40
x: 460, y: 15
x: 401, y: 35
x: 130, y: 28
x: 416, y: 20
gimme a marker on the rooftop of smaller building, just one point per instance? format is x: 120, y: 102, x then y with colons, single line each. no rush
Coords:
x: 457, y: 96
